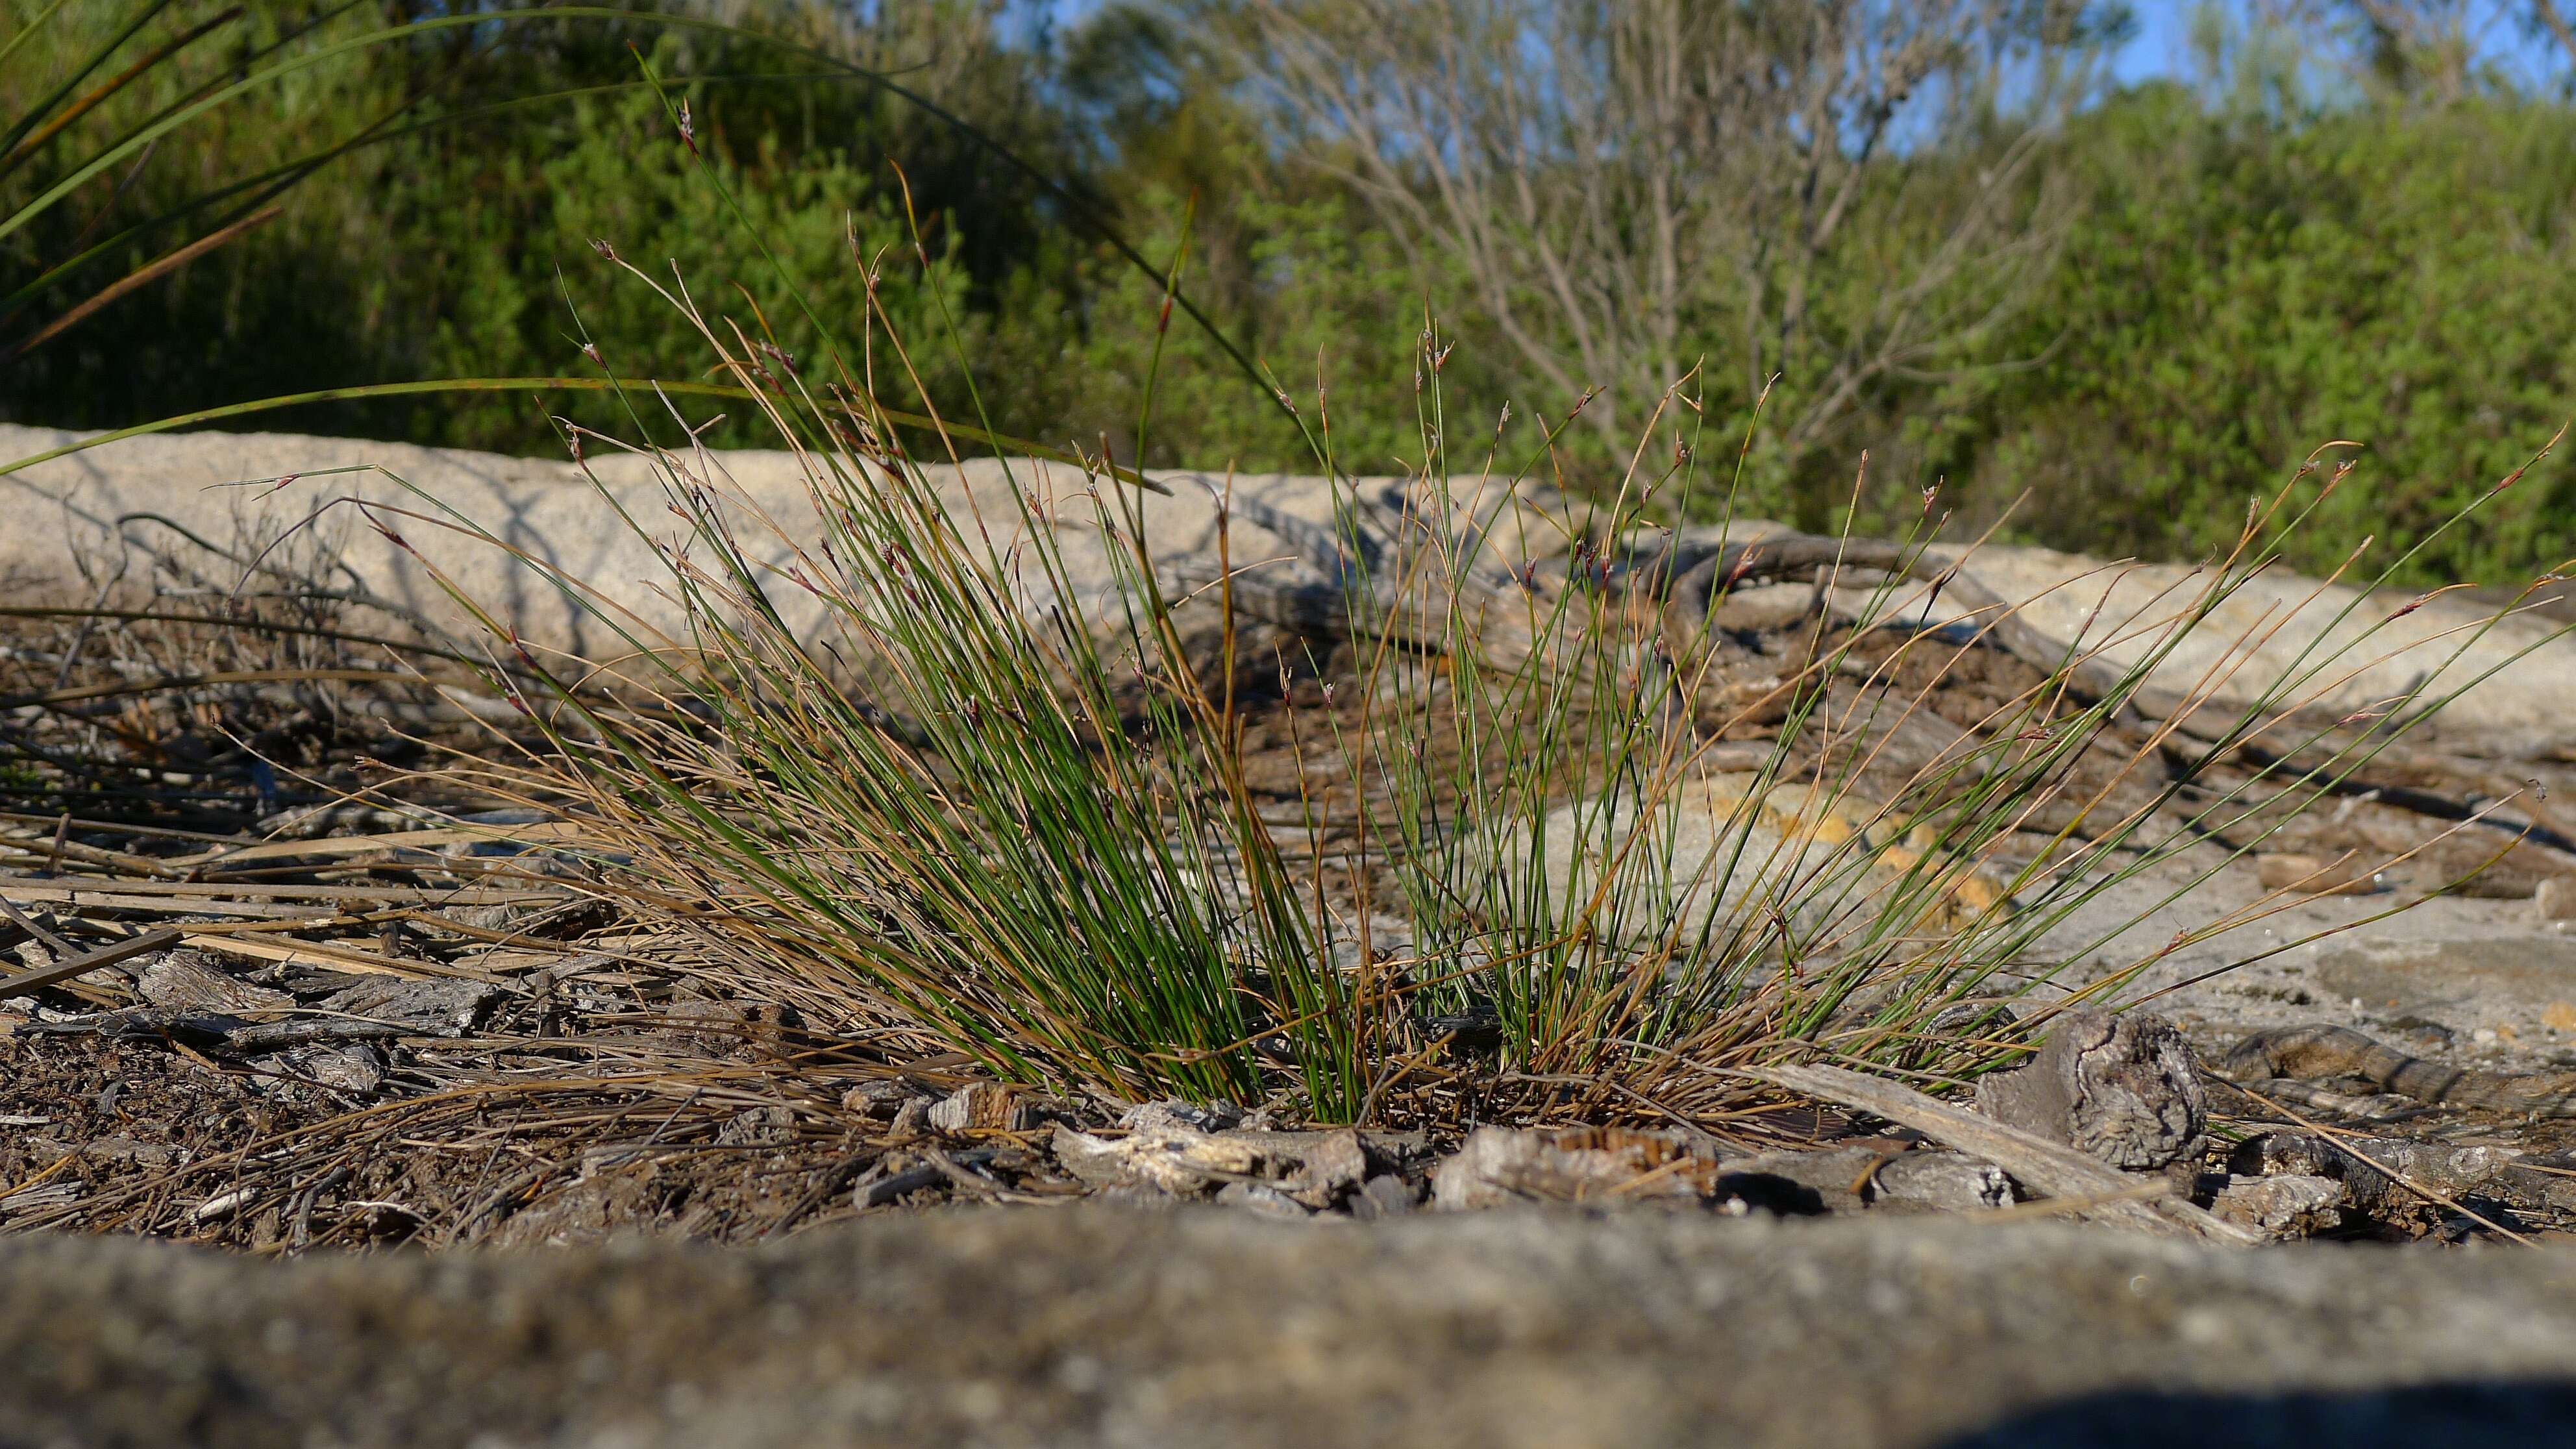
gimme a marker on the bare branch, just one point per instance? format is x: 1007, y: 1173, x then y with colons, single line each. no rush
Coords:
x: 1624, y: 185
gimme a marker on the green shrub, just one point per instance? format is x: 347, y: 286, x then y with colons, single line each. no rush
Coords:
x: 2240, y: 288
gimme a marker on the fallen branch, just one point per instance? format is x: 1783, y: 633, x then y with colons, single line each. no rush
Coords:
x: 2322, y: 1053
x: 82, y: 965
x: 2034, y: 1161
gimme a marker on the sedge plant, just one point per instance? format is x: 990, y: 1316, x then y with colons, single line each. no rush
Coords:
x: 897, y: 759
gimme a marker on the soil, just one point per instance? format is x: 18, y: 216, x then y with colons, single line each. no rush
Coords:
x: 608, y: 1080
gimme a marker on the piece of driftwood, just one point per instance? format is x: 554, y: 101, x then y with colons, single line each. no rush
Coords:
x: 878, y: 1191
x: 185, y: 980
x: 2123, y: 1088
x: 2326, y: 1053
x: 2046, y: 1168
x: 1941, y: 1182
x: 981, y: 1107
x: 2388, y: 1177
x: 1689, y: 602
x: 82, y: 965
x: 2283, y: 1208
x: 1172, y: 1161
x: 1502, y: 1166
x: 1164, y: 1153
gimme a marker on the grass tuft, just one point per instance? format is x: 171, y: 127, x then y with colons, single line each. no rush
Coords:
x: 903, y: 768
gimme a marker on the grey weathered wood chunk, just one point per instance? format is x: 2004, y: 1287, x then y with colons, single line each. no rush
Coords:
x: 2123, y: 1088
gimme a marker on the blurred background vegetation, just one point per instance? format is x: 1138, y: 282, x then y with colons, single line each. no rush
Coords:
x: 1952, y: 230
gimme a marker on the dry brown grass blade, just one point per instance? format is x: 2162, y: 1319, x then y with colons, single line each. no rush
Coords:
x: 140, y: 277
x: 46, y: 848
x: 78, y: 693
x: 332, y: 956
x: 178, y: 896
x: 546, y: 832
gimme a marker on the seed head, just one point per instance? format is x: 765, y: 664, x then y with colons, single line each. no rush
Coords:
x: 1743, y: 568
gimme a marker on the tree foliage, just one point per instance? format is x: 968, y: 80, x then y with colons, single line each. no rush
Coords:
x: 2103, y: 317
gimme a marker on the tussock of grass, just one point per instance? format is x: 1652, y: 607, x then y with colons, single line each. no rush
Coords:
x: 955, y: 818
x: 963, y: 814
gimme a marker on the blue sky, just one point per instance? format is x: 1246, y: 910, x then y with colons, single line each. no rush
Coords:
x: 2161, y: 43
x: 2162, y: 46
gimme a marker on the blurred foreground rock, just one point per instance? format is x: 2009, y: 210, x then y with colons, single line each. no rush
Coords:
x: 1085, y: 1326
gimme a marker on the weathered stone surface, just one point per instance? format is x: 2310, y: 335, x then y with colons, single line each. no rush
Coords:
x: 2366, y: 649
x: 2554, y: 901
x: 127, y: 496
x: 2506, y: 981
x: 2317, y: 875
x: 1085, y: 1326
x: 1731, y: 845
x: 2377, y: 647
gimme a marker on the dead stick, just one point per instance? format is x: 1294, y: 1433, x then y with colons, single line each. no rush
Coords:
x: 2337, y: 1134
x: 62, y: 971
x: 48, y: 939
x: 2050, y: 1167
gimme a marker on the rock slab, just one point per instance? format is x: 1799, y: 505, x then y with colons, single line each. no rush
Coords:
x: 1091, y: 1326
